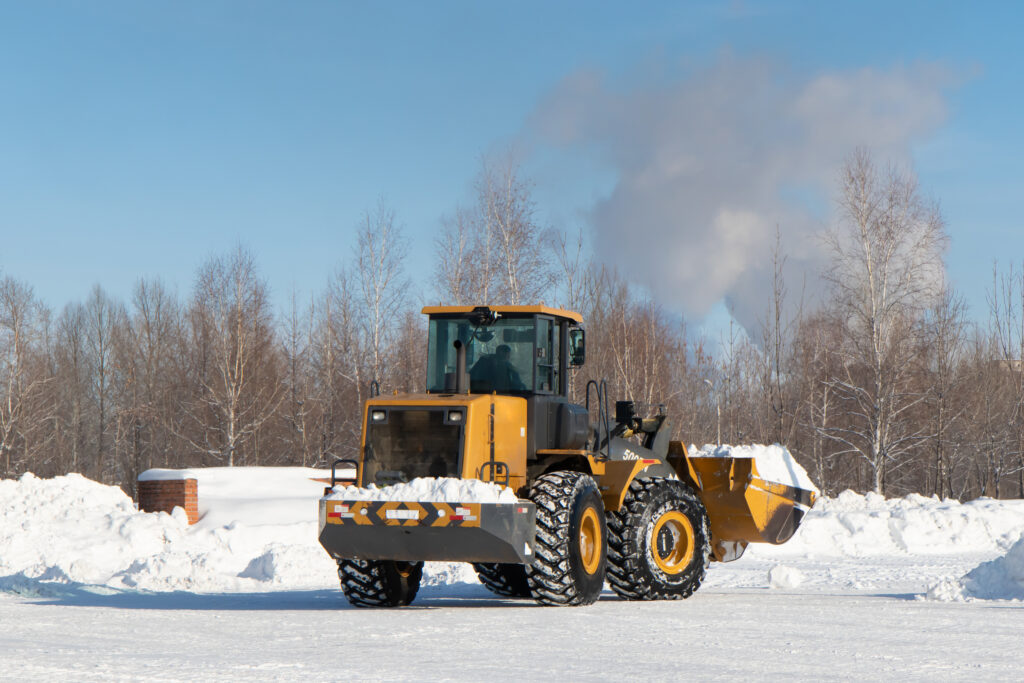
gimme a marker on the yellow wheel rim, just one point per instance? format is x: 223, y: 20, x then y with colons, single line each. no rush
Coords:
x: 671, y: 542
x: 590, y: 541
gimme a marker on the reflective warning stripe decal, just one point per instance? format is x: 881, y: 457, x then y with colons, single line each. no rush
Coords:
x: 403, y: 513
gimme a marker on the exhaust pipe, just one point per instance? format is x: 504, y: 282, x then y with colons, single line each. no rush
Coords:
x: 461, y: 378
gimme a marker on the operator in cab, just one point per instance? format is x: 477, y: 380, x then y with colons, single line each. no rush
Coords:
x: 495, y: 372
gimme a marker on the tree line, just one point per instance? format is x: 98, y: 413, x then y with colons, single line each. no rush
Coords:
x: 883, y: 384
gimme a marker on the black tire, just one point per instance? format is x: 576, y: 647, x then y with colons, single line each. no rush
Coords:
x: 508, y: 580
x: 571, y: 545
x: 658, y: 542
x: 380, y: 583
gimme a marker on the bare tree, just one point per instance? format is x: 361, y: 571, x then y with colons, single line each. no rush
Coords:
x: 381, y: 251
x: 780, y: 396
x: 1006, y: 304
x: 510, y: 224
x: 495, y: 252
x: 340, y: 362
x: 817, y: 360
x: 572, y: 267
x: 945, y: 330
x: 20, y: 328
x: 886, y: 269
x: 301, y: 405
x: 408, y: 356
x: 230, y: 311
x: 455, y: 266
x: 72, y: 375
x: 102, y: 315
x: 147, y: 347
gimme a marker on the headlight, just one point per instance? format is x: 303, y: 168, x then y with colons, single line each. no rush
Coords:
x: 455, y: 416
x: 378, y: 415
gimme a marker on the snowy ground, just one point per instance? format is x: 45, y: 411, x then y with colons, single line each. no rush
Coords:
x: 90, y: 589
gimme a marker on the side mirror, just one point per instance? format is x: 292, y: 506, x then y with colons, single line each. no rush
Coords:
x: 577, y: 346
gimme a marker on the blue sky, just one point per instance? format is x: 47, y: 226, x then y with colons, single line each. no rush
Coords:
x: 138, y: 138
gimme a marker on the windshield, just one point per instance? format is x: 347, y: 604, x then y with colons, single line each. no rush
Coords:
x: 499, y: 357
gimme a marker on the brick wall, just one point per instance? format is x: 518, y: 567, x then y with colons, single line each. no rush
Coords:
x: 165, y: 495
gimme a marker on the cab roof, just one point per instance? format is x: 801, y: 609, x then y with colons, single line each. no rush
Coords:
x: 506, y: 310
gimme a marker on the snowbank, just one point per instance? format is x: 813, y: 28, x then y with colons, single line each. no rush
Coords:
x: 774, y: 463
x: 999, y: 579
x: 73, y: 529
x: 258, y: 532
x: 427, y: 489
x: 855, y: 525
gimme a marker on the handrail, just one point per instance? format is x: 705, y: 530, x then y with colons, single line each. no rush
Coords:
x: 601, y: 396
x: 498, y: 469
x: 334, y: 469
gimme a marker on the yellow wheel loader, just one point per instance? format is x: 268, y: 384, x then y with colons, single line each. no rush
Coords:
x: 615, y: 501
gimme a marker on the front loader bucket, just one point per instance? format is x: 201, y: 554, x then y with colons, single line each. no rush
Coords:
x: 431, y: 531
x: 743, y: 508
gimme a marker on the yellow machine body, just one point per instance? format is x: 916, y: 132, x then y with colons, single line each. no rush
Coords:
x: 495, y: 429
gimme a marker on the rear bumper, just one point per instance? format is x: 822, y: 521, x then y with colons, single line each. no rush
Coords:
x: 413, y: 531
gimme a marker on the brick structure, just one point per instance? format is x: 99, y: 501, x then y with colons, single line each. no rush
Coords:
x: 164, y: 495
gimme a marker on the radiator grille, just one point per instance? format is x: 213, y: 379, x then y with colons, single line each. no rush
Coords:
x: 411, y: 443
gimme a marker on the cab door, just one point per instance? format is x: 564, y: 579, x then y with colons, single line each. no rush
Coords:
x: 547, y: 366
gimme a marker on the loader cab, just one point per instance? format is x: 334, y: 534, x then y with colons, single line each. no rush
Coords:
x: 515, y: 350
x: 523, y: 351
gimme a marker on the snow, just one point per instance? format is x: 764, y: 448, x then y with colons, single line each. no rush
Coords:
x: 998, y: 579
x: 782, y: 576
x: 257, y: 531
x: 427, y: 489
x: 774, y: 463
x: 914, y: 587
x: 854, y: 525
x: 257, y: 495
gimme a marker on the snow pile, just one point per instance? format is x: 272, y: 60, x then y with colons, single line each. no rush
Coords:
x: 856, y: 525
x: 71, y: 529
x: 447, y: 573
x: 999, y: 579
x: 781, y: 576
x: 774, y: 463
x: 258, y: 531
x: 285, y: 565
x: 428, y: 489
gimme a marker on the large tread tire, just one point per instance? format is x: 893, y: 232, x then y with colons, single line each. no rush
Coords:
x: 653, y: 552
x: 508, y: 580
x: 571, y: 545
x: 379, y: 583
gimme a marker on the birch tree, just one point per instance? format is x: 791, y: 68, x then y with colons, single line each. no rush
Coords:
x: 495, y: 251
x: 886, y: 270
x: 380, y: 256
x: 230, y: 310
x: 457, y: 273
x: 510, y: 225
x: 20, y: 320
